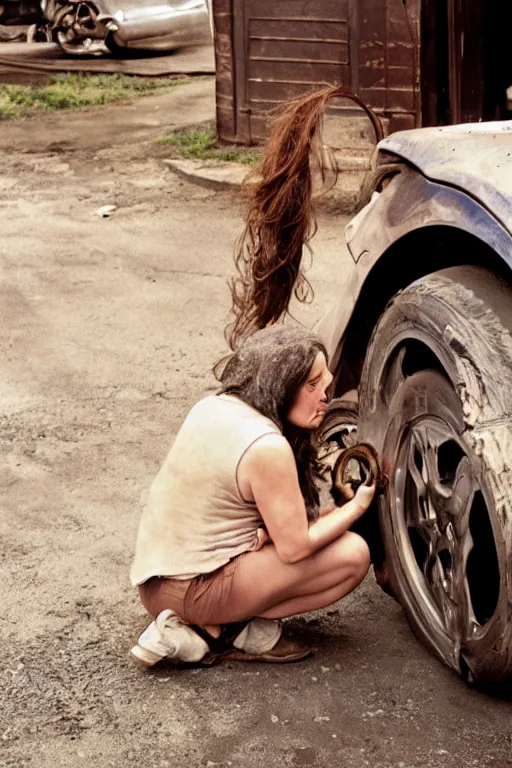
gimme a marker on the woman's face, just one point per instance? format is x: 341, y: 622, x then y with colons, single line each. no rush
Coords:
x: 310, y: 404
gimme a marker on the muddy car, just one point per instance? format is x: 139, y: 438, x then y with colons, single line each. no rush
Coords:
x: 86, y: 26
x: 423, y: 331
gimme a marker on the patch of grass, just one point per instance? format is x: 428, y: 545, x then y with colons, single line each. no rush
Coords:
x: 244, y: 156
x: 7, y: 110
x: 192, y: 142
x: 201, y: 143
x: 77, y: 91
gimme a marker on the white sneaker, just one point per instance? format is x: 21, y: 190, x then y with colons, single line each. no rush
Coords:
x: 168, y: 637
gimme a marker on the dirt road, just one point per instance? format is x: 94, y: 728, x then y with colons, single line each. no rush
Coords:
x: 36, y: 62
x: 109, y: 327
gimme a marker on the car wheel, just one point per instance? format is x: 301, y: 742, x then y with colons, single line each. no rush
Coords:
x: 74, y: 45
x: 77, y: 28
x: 436, y: 403
x: 337, y: 433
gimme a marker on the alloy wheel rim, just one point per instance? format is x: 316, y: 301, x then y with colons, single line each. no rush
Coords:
x: 433, y: 504
x: 438, y: 506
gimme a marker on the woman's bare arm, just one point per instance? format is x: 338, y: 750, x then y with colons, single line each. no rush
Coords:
x: 269, y: 467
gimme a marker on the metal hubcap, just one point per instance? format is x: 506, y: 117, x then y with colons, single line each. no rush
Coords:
x: 436, y: 482
x: 437, y: 515
x: 78, y: 31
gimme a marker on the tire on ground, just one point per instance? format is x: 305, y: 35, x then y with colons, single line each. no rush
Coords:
x: 446, y: 341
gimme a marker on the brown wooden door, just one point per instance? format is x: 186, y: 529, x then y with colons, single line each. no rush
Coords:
x: 466, y: 63
x: 283, y: 48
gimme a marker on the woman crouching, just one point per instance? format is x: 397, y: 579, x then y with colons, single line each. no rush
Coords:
x: 231, y: 539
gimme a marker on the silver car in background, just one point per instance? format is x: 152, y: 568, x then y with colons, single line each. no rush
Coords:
x: 84, y: 27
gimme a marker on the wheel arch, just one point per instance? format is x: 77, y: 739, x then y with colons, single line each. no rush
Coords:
x: 434, y: 247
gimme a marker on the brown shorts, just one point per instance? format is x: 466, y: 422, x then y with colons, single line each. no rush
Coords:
x: 202, y: 600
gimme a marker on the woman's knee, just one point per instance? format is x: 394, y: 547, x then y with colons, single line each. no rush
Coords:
x: 355, y: 555
x: 363, y: 556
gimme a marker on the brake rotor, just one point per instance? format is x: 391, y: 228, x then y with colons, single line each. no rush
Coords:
x: 343, y: 485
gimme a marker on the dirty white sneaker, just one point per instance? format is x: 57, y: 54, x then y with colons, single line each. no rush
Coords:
x: 168, y: 637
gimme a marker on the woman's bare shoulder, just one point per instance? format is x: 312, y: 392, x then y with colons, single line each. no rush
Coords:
x: 268, y: 456
x: 268, y: 449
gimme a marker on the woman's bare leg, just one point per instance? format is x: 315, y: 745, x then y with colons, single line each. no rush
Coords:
x: 312, y: 602
x: 262, y: 585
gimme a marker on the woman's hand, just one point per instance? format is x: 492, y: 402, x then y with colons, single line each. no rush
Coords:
x: 348, y: 493
x: 334, y: 522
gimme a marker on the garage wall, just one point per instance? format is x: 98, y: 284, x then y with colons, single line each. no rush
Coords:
x: 269, y: 51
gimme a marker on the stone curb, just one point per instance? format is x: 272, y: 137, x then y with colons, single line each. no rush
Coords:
x: 221, y: 175
x: 211, y: 174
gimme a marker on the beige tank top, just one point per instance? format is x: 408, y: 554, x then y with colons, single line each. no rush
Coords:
x: 195, y: 519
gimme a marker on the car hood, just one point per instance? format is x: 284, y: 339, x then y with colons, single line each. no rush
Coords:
x: 476, y: 157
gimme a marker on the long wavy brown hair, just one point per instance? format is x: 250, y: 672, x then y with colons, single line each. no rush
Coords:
x: 280, y: 218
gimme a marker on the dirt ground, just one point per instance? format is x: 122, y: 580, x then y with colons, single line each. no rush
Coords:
x: 35, y: 62
x: 109, y: 327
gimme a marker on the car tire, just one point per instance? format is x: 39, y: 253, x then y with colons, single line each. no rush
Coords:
x: 114, y: 47
x: 436, y: 403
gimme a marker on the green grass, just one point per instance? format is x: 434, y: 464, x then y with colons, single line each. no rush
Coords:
x: 77, y: 91
x: 201, y: 143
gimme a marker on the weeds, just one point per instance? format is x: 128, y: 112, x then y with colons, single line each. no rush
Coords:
x: 201, y: 143
x: 77, y: 91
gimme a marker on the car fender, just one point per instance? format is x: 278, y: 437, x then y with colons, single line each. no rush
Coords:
x: 415, y: 208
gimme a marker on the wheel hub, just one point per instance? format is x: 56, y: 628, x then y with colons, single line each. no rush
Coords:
x: 438, y: 516
x: 81, y: 29
x: 437, y: 484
